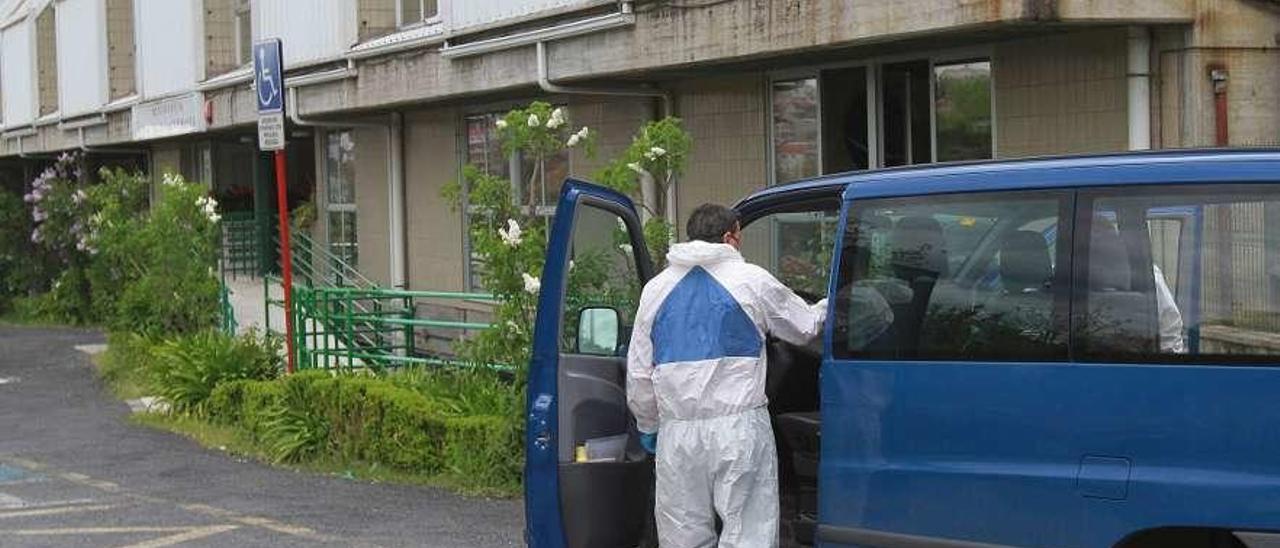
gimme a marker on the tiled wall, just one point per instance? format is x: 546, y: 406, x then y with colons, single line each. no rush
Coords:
x: 1061, y: 93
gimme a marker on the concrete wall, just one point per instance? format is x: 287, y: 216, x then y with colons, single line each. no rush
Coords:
x: 120, y: 56
x: 1061, y: 93
x: 435, y: 253
x: 726, y: 117
x: 371, y: 204
x: 614, y: 120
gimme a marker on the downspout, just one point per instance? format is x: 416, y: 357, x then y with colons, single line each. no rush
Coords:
x: 1139, y: 88
x: 1221, y: 130
x: 397, y: 267
x: 648, y: 188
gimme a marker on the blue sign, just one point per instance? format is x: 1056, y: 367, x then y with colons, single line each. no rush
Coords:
x: 268, y: 75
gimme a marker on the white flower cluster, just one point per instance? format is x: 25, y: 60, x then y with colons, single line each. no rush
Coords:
x: 500, y: 124
x: 531, y: 284
x: 512, y: 234
x: 209, y: 207
x: 170, y: 179
x: 654, y: 153
x: 557, y: 119
x: 578, y: 137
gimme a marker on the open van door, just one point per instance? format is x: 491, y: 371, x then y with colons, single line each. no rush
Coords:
x: 588, y: 483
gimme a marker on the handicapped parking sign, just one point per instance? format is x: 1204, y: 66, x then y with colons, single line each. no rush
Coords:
x: 268, y: 75
x: 268, y: 80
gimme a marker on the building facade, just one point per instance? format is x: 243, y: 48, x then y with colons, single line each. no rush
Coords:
x: 389, y: 99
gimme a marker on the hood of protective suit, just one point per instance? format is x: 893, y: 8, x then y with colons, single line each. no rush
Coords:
x: 700, y: 253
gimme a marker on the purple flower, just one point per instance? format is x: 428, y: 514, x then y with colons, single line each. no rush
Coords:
x: 36, y: 237
x: 29, y: 197
x: 38, y: 215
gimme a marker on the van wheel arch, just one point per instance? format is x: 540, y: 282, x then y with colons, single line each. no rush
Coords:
x: 1181, y: 537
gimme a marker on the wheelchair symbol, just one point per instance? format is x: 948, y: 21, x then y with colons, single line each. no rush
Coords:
x: 268, y: 90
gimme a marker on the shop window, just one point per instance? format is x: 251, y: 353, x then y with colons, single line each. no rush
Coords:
x: 962, y: 105
x: 340, y: 196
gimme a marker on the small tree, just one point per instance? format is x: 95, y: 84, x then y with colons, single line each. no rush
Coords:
x: 657, y: 153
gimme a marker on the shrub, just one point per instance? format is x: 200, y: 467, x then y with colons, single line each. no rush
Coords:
x: 372, y: 420
x: 188, y: 368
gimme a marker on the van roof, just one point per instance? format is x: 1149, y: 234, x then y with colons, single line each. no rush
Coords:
x: 987, y: 168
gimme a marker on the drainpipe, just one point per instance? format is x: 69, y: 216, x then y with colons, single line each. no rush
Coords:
x: 1221, y: 131
x: 398, y: 271
x: 1139, y: 88
x: 648, y: 188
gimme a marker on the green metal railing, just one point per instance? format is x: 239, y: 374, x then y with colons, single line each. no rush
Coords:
x: 242, y: 253
x: 342, y: 319
x: 227, y: 314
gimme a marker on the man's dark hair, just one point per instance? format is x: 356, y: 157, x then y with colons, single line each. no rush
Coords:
x: 710, y: 222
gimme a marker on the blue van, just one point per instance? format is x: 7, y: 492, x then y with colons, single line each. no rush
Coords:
x: 1052, y: 352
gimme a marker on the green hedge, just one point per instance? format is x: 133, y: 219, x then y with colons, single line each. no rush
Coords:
x: 371, y: 420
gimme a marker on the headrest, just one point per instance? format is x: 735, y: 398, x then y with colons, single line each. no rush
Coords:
x: 916, y: 243
x: 1024, y: 262
x: 1109, y: 268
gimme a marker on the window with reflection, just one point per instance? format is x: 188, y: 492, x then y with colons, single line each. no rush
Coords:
x: 795, y: 129
x: 962, y: 109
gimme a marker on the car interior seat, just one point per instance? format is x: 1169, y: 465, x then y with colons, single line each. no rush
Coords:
x: 1121, y: 312
x: 918, y: 257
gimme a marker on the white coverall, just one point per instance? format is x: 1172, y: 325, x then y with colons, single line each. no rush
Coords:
x: 696, y: 377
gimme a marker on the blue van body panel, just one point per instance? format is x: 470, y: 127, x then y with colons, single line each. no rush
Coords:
x: 1049, y: 454
x: 544, y: 527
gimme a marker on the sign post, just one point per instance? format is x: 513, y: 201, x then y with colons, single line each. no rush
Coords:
x: 268, y: 79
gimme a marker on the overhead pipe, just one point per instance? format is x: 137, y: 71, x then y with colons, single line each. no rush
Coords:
x: 398, y: 267
x: 648, y: 187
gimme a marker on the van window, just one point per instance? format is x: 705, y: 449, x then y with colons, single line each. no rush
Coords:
x: 973, y: 276
x: 1179, y: 274
x: 796, y: 247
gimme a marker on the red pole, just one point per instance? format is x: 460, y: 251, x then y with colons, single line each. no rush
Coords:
x: 286, y: 257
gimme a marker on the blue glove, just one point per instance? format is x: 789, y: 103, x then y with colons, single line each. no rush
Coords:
x: 649, y: 442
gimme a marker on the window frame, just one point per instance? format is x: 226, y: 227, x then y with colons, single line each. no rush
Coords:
x: 875, y: 105
x: 423, y: 18
x: 1191, y: 252
x: 331, y: 207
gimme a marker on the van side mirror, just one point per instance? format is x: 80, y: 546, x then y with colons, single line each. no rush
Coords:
x: 599, y: 331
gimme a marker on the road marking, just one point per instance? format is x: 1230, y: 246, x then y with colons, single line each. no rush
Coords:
x: 9, y: 380
x: 255, y: 521
x: 10, y: 501
x: 91, y: 349
x: 194, y: 534
x: 53, y: 511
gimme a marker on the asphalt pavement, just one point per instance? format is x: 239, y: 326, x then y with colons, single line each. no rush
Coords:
x: 74, y: 472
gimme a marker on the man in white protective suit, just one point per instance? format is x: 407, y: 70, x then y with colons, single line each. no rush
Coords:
x: 695, y: 383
